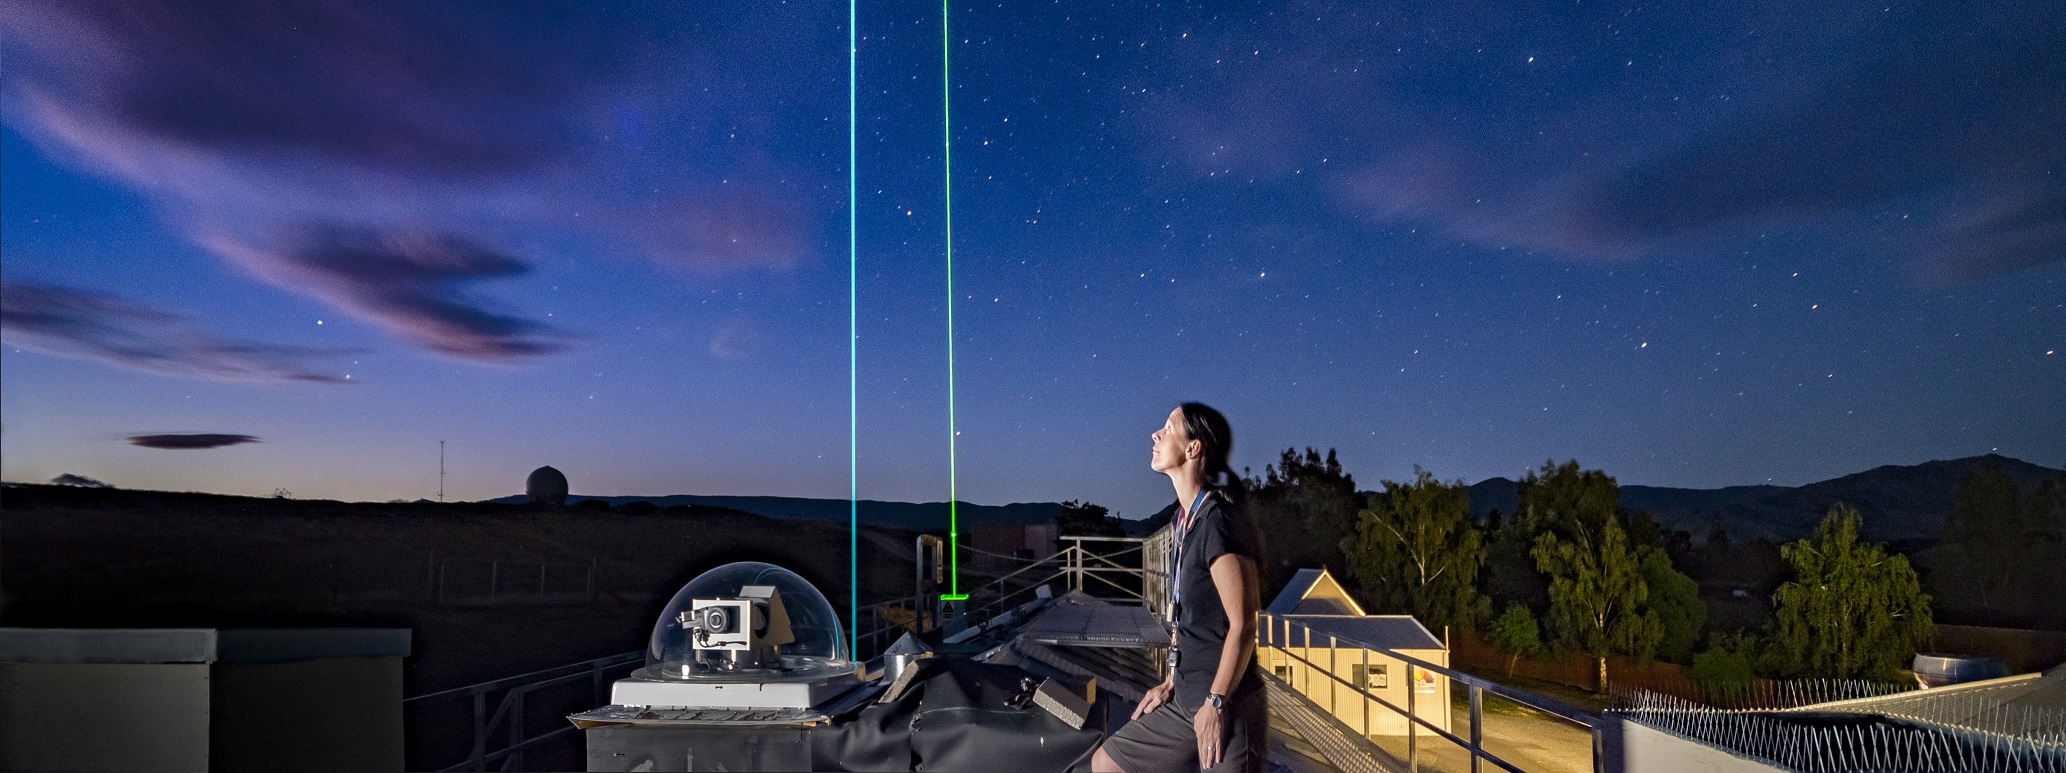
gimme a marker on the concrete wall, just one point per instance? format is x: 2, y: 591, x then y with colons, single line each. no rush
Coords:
x: 1627, y: 747
x: 331, y: 714
x: 334, y: 714
x: 104, y: 716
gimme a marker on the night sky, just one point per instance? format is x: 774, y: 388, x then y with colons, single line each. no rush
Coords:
x: 1696, y: 244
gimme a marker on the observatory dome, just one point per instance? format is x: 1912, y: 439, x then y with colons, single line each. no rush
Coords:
x: 546, y: 486
x: 819, y: 649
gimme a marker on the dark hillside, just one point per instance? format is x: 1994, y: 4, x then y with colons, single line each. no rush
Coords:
x: 490, y: 590
x: 1900, y: 502
x: 919, y: 516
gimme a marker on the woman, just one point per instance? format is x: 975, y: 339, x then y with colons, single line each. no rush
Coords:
x: 1210, y: 712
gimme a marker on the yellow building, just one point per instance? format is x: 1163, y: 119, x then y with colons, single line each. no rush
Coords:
x: 1314, y: 619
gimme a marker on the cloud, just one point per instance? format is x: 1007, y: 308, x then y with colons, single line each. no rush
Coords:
x: 737, y: 340
x: 411, y: 283
x: 1959, y: 133
x: 358, y: 82
x: 416, y: 132
x: 69, y: 479
x: 1972, y: 134
x: 193, y: 441
x: 91, y: 325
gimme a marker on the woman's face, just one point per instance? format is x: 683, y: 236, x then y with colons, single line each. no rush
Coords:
x: 1170, y: 444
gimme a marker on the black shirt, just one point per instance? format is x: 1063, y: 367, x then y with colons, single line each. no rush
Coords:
x: 1217, y: 529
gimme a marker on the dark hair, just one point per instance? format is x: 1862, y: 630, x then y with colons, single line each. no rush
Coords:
x: 1215, y: 438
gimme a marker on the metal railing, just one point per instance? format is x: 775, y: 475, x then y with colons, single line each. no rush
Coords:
x: 1276, y: 633
x: 919, y: 614
x: 509, y: 720
x: 477, y: 580
x: 1101, y: 573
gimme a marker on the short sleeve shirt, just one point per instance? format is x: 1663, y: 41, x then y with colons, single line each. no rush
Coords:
x: 1217, y: 529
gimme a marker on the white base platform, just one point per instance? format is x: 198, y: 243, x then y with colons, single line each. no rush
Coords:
x: 772, y: 695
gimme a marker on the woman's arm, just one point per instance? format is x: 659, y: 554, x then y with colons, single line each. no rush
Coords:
x: 1235, y: 577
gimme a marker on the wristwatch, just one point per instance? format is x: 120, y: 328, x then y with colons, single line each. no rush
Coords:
x: 1217, y: 700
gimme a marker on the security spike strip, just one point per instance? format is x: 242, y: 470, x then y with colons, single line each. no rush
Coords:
x: 1991, y: 736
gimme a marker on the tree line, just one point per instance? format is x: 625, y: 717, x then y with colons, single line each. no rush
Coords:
x: 1571, y: 571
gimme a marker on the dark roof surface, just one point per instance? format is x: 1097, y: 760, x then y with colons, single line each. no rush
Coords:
x: 1286, y: 602
x: 1079, y: 620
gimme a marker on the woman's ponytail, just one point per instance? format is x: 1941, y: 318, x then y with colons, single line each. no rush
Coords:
x: 1216, y: 441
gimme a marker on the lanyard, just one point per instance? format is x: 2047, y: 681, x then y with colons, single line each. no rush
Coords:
x: 1183, y: 527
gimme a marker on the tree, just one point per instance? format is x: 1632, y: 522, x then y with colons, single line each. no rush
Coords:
x: 1083, y: 519
x: 1597, y: 593
x: 1415, y: 550
x: 1303, y: 507
x: 1557, y: 497
x: 1510, y: 575
x: 1997, y: 542
x: 1565, y: 498
x: 1728, y: 667
x: 1676, y: 600
x: 1516, y: 632
x: 1851, y: 611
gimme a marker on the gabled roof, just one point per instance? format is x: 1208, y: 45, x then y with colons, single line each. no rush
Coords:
x: 1391, y: 632
x: 1313, y: 592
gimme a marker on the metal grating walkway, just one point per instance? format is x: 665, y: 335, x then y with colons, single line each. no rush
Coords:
x: 1343, y: 747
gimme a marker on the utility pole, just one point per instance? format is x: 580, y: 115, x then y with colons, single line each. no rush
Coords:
x: 441, y: 471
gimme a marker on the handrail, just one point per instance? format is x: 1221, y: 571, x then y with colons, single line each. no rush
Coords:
x: 1531, y: 700
x: 511, y: 706
x: 496, y: 684
x: 1474, y: 746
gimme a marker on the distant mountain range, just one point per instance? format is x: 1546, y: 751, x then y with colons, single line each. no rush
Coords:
x: 903, y: 515
x: 1898, y: 502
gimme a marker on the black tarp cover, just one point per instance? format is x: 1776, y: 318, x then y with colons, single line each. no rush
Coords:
x: 955, y: 719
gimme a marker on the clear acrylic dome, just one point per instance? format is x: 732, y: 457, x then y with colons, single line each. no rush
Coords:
x: 820, y: 648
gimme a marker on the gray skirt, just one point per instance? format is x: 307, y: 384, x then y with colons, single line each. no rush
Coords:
x: 1164, y: 742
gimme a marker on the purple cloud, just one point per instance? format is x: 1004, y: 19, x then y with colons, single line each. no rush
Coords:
x: 408, y: 283
x: 90, y: 325
x: 70, y: 479
x: 1963, y: 131
x: 416, y: 132
x: 190, y: 441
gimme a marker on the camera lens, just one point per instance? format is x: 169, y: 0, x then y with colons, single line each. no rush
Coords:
x: 716, y: 621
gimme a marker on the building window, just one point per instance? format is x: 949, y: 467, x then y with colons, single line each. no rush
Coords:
x: 1283, y: 671
x: 1373, y: 679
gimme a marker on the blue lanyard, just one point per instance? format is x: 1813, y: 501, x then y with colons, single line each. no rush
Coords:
x: 1183, y: 527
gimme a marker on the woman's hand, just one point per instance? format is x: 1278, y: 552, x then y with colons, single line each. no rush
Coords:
x: 1207, y: 725
x: 1154, y: 698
